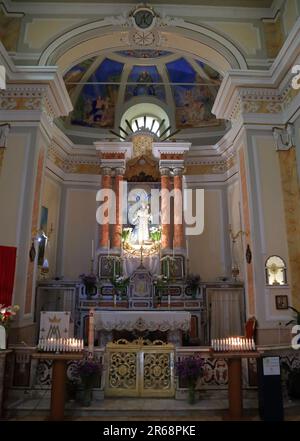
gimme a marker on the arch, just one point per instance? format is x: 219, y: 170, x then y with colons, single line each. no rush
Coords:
x: 90, y: 39
x: 275, y: 270
x: 142, y: 109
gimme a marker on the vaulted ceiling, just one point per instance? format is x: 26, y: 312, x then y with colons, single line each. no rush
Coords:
x: 103, y: 88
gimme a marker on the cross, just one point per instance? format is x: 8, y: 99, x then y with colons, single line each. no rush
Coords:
x: 142, y: 254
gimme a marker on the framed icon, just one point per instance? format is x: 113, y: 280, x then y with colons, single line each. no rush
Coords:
x: 282, y: 302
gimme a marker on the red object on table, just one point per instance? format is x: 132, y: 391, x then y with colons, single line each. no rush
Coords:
x: 7, y: 273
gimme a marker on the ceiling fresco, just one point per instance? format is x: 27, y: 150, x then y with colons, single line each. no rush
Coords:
x: 99, y: 88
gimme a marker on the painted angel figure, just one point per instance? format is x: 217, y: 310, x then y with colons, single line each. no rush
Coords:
x: 141, y: 220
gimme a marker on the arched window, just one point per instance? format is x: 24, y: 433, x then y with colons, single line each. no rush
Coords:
x: 275, y: 271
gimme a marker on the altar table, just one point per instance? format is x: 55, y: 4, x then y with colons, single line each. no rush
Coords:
x: 142, y: 320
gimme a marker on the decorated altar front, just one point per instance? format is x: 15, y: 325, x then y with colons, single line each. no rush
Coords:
x: 142, y: 320
x: 171, y: 322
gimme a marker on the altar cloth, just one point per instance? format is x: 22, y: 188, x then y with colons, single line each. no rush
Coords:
x: 142, y: 320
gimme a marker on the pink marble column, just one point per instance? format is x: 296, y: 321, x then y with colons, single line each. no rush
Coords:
x: 178, y: 210
x: 104, y: 229
x: 117, y: 227
x: 165, y: 208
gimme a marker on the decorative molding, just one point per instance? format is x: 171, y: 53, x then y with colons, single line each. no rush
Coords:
x: 244, y: 92
x: 4, y: 131
x: 284, y: 137
x: 2, y: 78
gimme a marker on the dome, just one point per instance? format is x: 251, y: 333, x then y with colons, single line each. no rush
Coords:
x: 102, y: 89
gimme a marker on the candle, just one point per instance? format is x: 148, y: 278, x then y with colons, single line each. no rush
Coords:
x: 169, y: 300
x: 108, y: 247
x: 92, y: 249
x: 173, y: 250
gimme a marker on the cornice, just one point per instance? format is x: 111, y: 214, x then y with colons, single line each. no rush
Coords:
x: 245, y: 92
x: 46, y: 79
x: 85, y: 9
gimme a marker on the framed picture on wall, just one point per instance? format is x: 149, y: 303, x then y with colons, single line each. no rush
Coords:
x: 282, y: 302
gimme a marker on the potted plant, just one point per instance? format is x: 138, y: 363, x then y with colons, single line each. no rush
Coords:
x: 87, y: 371
x: 193, y: 283
x: 90, y: 282
x: 189, y: 369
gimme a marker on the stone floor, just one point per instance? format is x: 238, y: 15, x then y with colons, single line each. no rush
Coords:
x: 141, y: 409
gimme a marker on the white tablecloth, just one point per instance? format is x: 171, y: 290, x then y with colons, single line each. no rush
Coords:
x: 142, y: 320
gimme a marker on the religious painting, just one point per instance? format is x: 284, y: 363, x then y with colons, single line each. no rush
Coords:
x: 95, y: 106
x: 282, y: 302
x: 106, y: 267
x: 194, y: 95
x: 75, y: 74
x: 177, y: 268
x: 144, y: 79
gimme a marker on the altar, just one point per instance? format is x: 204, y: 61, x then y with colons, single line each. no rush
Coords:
x: 173, y: 323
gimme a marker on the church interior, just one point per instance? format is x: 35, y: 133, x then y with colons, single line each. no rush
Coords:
x: 150, y: 209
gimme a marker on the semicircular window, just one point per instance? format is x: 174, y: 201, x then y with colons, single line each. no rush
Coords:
x: 95, y: 106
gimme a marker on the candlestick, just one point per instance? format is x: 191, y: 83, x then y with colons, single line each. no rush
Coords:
x: 173, y: 250
x: 91, y: 333
x: 92, y: 255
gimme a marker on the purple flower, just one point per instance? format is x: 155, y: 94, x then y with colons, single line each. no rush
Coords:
x: 190, y: 368
x: 88, y: 371
x: 90, y: 279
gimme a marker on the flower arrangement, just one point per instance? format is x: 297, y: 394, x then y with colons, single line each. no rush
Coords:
x: 120, y: 283
x: 155, y: 234
x: 193, y: 282
x: 7, y: 314
x: 126, y: 233
x: 160, y: 281
x: 88, y: 371
x: 189, y: 369
x: 91, y: 282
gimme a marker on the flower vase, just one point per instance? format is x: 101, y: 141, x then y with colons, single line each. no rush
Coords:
x: 3, y: 338
x: 91, y: 290
x: 86, y: 397
x: 192, y: 394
